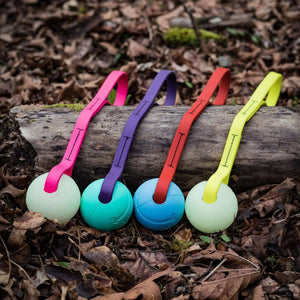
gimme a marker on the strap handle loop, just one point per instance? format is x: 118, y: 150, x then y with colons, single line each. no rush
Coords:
x: 269, y: 88
x: 67, y: 163
x: 134, y: 119
x: 220, y: 76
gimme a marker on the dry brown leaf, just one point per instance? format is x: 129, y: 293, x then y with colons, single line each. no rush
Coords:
x: 70, y: 91
x: 287, y: 276
x: 87, y: 283
x: 110, y: 48
x: 184, y: 235
x: 3, y: 220
x: 4, y: 277
x: 130, y: 12
x: 15, y: 192
x: 31, y: 291
x: 102, y: 255
x: 258, y: 293
x: 231, y: 273
x: 16, y: 238
x: 40, y: 277
x: 147, y: 290
x: 29, y: 221
x: 291, y: 85
x: 6, y: 37
x: 143, y: 264
x: 269, y: 285
x: 163, y: 20
x: 136, y: 49
x: 129, y: 67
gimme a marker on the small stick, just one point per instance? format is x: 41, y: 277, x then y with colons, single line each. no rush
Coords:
x: 214, y: 270
x: 8, y: 257
x: 193, y: 22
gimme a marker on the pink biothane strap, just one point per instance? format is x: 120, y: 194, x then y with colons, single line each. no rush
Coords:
x: 67, y: 163
x: 222, y: 76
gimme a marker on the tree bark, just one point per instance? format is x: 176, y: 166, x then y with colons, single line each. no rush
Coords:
x: 269, y: 150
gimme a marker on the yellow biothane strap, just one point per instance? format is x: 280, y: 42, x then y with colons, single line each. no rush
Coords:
x: 269, y: 88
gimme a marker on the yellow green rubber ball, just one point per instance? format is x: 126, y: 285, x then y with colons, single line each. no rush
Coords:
x: 211, y: 217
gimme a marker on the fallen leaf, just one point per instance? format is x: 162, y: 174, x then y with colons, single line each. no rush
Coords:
x: 147, y: 290
x: 16, y: 238
x: 143, y: 264
x: 85, y: 285
x: 287, y: 276
x: 291, y: 85
x: 40, y: 277
x: 136, y: 49
x: 258, y: 293
x: 102, y: 255
x: 29, y: 221
x: 31, y: 291
x: 70, y: 91
x: 163, y: 20
x: 184, y: 235
x: 3, y: 220
x: 15, y: 192
x: 130, y: 12
x: 231, y: 274
x: 4, y: 277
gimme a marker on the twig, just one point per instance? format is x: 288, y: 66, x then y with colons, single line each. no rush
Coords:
x: 79, y: 244
x: 8, y: 257
x: 76, y: 246
x: 10, y: 262
x: 234, y: 277
x: 22, y: 269
x: 135, y: 226
x: 282, y: 220
x: 187, y: 10
x: 149, y: 27
x: 205, y: 273
x: 146, y: 261
x: 214, y: 270
x: 177, y: 229
x: 64, y: 290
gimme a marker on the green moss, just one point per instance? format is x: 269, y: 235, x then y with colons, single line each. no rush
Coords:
x: 187, y: 37
x: 176, y: 245
x: 32, y: 120
x: 75, y: 106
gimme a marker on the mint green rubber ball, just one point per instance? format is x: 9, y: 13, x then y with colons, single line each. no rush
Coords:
x: 211, y: 217
x: 106, y: 216
x: 61, y: 205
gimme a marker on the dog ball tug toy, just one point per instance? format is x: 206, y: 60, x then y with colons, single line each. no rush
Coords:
x: 55, y: 194
x: 159, y: 202
x: 106, y: 204
x: 212, y: 206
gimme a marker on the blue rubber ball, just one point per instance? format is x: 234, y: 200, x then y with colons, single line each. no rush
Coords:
x: 106, y: 216
x: 158, y: 216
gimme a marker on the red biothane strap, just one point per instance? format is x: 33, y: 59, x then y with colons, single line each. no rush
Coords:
x: 222, y: 76
x: 67, y: 163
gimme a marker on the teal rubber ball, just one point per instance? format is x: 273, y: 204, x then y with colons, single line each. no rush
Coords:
x: 211, y: 217
x: 106, y: 216
x: 158, y: 216
x: 62, y: 204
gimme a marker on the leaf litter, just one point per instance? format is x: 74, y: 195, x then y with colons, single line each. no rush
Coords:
x: 61, y: 52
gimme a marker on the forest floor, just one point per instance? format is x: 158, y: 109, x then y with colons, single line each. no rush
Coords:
x: 61, y: 51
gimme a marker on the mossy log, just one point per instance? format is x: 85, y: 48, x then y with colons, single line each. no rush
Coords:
x: 214, y: 22
x: 269, y: 150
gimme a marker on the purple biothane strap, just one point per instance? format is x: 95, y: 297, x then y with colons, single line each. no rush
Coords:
x: 136, y: 116
x: 67, y: 163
